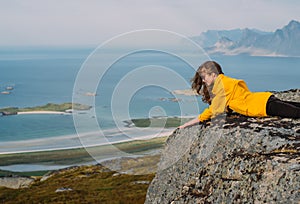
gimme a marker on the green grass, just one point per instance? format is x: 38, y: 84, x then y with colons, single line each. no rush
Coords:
x: 46, y: 157
x: 89, y: 184
x: 29, y: 173
x: 48, y: 107
x: 160, y: 122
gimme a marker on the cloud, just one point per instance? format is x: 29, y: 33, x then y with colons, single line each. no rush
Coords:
x: 78, y: 22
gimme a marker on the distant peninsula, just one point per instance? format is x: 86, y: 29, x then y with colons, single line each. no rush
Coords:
x: 49, y: 108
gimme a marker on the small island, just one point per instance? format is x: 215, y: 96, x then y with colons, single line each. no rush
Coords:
x: 49, y: 108
x: 157, y: 122
x: 186, y: 92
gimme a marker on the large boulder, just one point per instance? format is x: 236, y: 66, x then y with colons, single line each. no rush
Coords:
x: 232, y: 159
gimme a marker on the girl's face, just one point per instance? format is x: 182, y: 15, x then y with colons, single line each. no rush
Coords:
x: 208, y: 78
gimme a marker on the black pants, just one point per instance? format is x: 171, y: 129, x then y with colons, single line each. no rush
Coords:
x: 285, y: 109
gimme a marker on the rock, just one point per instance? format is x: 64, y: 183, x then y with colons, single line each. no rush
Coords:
x: 187, y: 92
x: 236, y: 159
x: 6, y: 92
x: 90, y: 94
x: 141, y: 182
x: 289, y: 95
x: 46, y: 177
x: 16, y: 182
x: 185, y: 189
x: 9, y: 88
x: 116, y: 174
x: 7, y: 113
x: 133, y: 165
x: 63, y: 189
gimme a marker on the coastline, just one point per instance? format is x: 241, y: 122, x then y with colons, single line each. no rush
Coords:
x: 86, y: 140
x: 42, y: 112
x: 80, y: 155
x: 49, y: 108
x: 44, y: 154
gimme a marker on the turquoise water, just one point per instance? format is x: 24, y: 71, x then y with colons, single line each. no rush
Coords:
x: 40, y: 76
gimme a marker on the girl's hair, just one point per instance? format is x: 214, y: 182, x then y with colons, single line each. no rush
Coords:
x: 207, y: 67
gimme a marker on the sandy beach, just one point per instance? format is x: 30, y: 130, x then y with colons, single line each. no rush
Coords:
x: 76, y: 149
x: 82, y: 140
x: 51, y: 159
x: 41, y: 112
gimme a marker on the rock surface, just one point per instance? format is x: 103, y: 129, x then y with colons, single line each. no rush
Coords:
x: 232, y: 159
x: 138, y: 165
x: 16, y: 182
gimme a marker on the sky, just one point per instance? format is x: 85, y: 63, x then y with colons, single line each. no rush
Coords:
x: 91, y: 22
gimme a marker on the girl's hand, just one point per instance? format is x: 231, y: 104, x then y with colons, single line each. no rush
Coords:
x: 190, y: 123
x: 182, y: 126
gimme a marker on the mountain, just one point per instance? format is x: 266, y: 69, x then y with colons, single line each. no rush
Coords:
x: 210, y: 37
x: 282, y: 42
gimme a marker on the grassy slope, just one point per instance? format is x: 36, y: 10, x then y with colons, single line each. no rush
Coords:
x: 89, y: 184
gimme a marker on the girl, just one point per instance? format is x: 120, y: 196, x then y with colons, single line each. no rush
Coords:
x: 223, y: 93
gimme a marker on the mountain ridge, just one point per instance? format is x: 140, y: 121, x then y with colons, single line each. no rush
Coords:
x: 283, y: 41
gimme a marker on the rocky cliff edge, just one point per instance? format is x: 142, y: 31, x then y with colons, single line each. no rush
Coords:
x: 233, y: 159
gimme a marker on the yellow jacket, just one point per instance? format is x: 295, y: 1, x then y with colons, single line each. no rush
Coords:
x: 234, y: 93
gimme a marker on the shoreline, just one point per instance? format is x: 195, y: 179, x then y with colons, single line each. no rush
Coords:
x: 49, y: 108
x: 75, y: 141
x: 87, y: 139
x: 42, y: 112
x: 80, y: 156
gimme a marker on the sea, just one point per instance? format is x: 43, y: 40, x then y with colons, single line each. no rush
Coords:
x: 139, y: 85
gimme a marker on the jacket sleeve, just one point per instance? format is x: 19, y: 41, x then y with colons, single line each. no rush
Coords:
x: 205, y: 115
x: 218, y: 106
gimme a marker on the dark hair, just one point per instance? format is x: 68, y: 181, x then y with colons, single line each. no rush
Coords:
x: 207, y: 67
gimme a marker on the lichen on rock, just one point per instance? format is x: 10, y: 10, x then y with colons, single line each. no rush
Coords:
x: 238, y: 160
